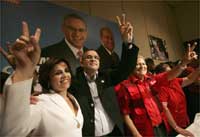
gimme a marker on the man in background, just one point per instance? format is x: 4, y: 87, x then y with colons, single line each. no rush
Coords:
x: 72, y: 46
x: 108, y: 57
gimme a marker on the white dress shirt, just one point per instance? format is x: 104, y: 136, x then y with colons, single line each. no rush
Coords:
x: 103, y: 123
x: 73, y: 49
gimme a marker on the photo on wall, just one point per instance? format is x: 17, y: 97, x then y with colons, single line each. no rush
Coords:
x: 158, y: 48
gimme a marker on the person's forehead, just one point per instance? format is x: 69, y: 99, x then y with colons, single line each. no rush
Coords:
x: 106, y: 32
x: 140, y: 59
x: 74, y: 20
x: 61, y: 64
x: 91, y: 52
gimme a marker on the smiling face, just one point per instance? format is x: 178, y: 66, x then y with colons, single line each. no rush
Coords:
x: 90, y: 61
x: 141, y: 68
x: 107, y: 39
x: 60, y: 77
x: 75, y: 32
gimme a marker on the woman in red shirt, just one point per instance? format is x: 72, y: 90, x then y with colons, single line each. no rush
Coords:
x: 137, y: 100
x: 173, y: 101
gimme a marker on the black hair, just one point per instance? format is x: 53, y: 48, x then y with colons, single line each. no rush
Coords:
x: 45, y: 70
x: 74, y: 16
x: 161, y: 67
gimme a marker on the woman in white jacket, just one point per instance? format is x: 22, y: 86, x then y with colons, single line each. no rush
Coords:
x: 57, y: 113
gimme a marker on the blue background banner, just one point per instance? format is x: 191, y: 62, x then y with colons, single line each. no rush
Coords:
x: 49, y: 18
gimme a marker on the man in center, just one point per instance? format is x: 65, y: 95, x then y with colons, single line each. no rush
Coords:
x: 94, y: 89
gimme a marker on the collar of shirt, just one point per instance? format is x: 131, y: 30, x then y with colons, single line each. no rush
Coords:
x: 109, y: 52
x: 89, y: 79
x: 103, y: 123
x: 149, y: 78
x: 135, y: 79
x: 73, y: 49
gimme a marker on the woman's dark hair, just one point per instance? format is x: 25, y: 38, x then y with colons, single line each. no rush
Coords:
x: 161, y: 67
x: 150, y: 65
x: 45, y: 70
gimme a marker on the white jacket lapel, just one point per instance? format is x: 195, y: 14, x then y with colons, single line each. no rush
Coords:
x: 60, y: 101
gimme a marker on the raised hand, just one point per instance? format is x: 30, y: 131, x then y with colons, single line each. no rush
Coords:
x: 126, y: 28
x: 184, y: 132
x: 190, y: 54
x: 27, y: 51
x: 8, y: 56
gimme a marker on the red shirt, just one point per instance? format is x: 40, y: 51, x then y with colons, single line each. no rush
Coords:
x: 175, y: 97
x: 136, y: 99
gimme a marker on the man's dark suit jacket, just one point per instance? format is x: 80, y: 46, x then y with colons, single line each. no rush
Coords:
x: 62, y: 50
x: 105, y: 83
x: 107, y: 61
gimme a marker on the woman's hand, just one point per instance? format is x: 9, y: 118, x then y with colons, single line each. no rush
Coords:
x: 184, y: 132
x: 26, y: 51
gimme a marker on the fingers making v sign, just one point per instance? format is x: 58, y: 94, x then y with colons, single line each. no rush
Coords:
x: 190, y: 54
x: 126, y: 29
x: 26, y: 51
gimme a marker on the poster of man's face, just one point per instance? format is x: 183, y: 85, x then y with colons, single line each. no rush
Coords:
x: 158, y: 49
x: 50, y: 24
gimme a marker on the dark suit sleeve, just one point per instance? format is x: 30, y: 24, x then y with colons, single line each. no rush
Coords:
x: 126, y: 65
x: 48, y: 51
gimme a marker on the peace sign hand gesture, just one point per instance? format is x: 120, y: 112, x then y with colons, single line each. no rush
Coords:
x: 126, y: 29
x: 27, y: 51
x: 190, y: 54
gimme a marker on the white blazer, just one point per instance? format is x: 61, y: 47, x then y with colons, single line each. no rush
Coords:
x: 1, y: 110
x: 50, y: 117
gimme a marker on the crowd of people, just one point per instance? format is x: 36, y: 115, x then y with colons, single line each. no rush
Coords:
x: 88, y: 92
